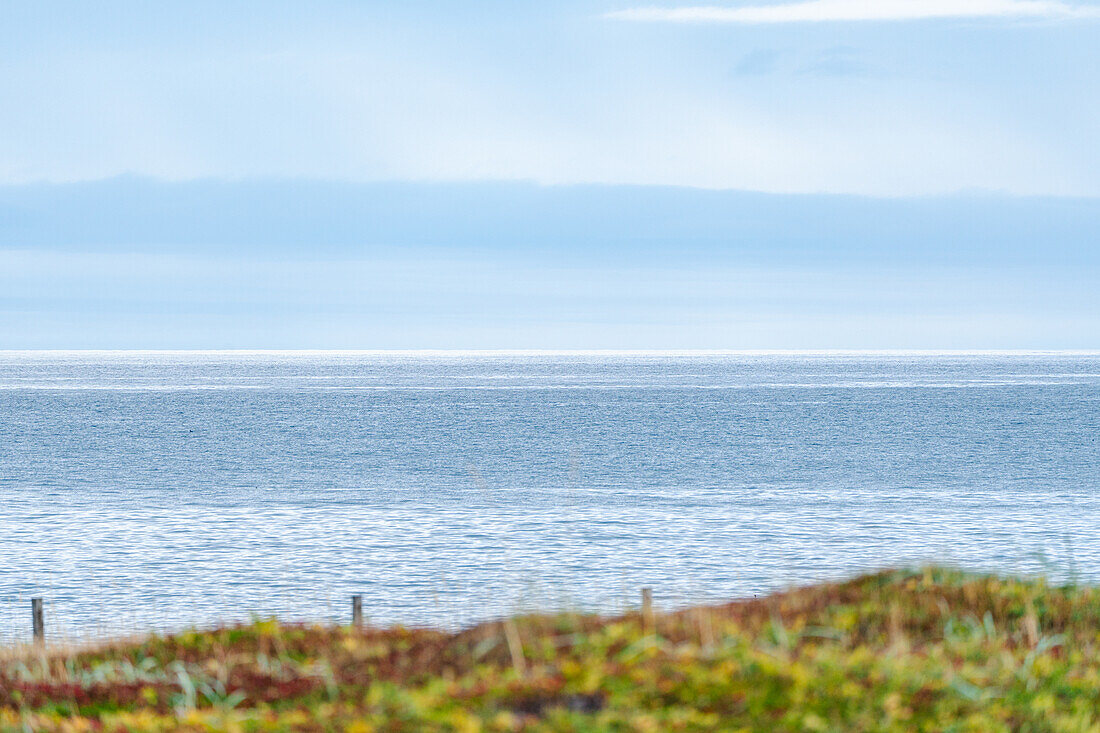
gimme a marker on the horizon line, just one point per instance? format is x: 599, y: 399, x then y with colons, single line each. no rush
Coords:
x: 562, y: 352
x: 965, y: 192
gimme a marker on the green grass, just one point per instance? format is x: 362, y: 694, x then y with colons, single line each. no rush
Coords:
x: 933, y: 650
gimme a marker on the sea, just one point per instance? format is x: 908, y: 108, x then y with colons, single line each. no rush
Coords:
x: 166, y: 490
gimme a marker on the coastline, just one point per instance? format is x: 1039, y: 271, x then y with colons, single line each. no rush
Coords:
x: 897, y: 650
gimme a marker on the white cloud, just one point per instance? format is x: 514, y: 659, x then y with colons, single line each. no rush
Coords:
x: 815, y: 11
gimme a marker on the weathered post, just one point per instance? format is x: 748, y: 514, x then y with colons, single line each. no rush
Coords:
x: 357, y: 610
x: 647, y: 610
x: 515, y: 647
x: 38, y: 620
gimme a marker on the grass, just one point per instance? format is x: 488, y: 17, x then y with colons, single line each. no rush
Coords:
x: 928, y: 650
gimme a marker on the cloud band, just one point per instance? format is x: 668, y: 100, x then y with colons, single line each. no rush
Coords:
x: 817, y: 11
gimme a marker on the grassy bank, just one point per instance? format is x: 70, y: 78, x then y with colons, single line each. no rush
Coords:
x: 930, y: 650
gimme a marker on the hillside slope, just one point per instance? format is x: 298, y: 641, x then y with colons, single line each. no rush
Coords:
x: 923, y: 650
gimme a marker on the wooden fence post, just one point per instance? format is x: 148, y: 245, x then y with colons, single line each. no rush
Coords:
x: 38, y: 620
x: 357, y: 610
x: 647, y: 610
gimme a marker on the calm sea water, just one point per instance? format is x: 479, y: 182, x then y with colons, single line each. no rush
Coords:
x: 162, y: 490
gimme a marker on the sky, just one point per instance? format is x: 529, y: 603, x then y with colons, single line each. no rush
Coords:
x: 573, y: 174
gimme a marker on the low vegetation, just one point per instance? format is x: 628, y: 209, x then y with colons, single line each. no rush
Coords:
x: 933, y: 650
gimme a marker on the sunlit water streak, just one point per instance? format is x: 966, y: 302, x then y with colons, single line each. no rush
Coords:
x: 162, y: 490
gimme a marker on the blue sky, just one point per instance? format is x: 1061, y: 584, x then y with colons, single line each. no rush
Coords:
x: 982, y: 111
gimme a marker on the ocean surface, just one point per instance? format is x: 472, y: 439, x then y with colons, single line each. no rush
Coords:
x: 163, y: 490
